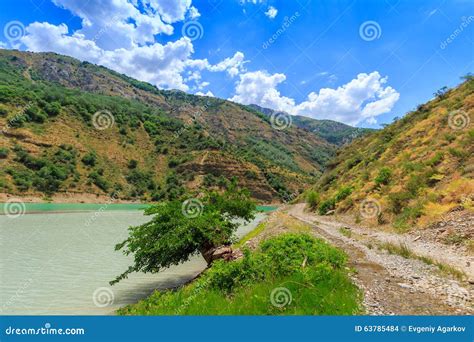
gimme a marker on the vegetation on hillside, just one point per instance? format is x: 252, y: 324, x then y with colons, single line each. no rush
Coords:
x: 151, y: 144
x: 413, y: 171
x: 291, y: 274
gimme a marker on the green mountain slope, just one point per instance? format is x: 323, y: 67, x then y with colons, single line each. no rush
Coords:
x: 333, y: 132
x: 413, y: 172
x: 74, y: 128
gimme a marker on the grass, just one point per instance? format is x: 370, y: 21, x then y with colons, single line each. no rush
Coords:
x: 407, y: 253
x: 291, y: 274
x: 345, y: 231
x: 257, y: 231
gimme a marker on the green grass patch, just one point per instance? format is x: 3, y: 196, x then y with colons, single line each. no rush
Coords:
x: 250, y: 235
x: 291, y: 274
x: 404, y: 251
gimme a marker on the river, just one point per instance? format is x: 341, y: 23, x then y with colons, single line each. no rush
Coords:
x: 60, y: 263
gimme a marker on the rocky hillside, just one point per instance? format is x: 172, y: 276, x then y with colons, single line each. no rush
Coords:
x: 333, y: 132
x: 416, y: 172
x: 70, y: 127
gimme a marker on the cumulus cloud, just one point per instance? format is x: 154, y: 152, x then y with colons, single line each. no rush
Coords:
x: 259, y: 87
x: 362, y: 99
x: 120, y: 34
x: 271, y: 12
x: 233, y: 65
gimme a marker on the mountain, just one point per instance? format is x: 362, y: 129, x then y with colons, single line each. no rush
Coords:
x: 333, y: 132
x: 417, y: 171
x: 72, y: 128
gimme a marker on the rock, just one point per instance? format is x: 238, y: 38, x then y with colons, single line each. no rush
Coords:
x: 330, y: 212
x: 415, y: 276
x: 471, y: 281
x: 404, y: 286
x: 417, y: 238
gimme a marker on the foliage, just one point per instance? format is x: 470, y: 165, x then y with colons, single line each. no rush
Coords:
x: 384, y: 176
x: 171, y: 237
x: 326, y: 206
x: 313, y: 199
x: 309, y: 268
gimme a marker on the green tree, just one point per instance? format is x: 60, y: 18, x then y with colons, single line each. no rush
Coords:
x: 181, y: 229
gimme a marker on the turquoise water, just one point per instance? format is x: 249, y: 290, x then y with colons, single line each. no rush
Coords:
x: 71, y: 207
x: 61, y: 263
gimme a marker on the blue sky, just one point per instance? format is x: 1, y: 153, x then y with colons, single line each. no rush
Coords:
x: 359, y: 62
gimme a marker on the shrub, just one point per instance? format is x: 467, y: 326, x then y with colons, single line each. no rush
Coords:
x: 326, y: 206
x: 343, y: 193
x: 132, y: 164
x: 89, y: 159
x: 398, y: 201
x: 384, y: 176
x: 99, y: 181
x: 313, y: 199
x: 3, y: 152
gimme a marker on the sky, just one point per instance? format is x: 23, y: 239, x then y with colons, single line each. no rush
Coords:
x: 358, y: 62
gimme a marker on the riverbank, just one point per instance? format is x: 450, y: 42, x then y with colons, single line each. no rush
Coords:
x: 282, y: 270
x: 61, y: 263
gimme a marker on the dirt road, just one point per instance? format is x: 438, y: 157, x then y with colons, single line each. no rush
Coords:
x: 391, y: 283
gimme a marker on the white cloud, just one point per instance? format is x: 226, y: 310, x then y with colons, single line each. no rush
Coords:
x: 209, y: 93
x: 233, y: 65
x: 120, y: 34
x: 271, y: 12
x: 159, y: 64
x: 259, y: 87
x: 362, y: 99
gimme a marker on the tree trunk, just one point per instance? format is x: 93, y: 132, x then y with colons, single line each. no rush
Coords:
x: 211, y: 253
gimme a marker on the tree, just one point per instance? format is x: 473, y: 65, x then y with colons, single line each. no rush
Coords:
x: 180, y: 229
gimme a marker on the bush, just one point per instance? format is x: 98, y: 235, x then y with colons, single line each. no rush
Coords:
x: 384, y: 176
x: 89, y: 159
x: 99, y: 181
x: 326, y: 206
x: 398, y: 201
x: 3, y: 152
x: 343, y: 193
x: 132, y: 164
x: 313, y: 199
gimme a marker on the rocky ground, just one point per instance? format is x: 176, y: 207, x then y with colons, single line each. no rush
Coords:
x: 435, y: 279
